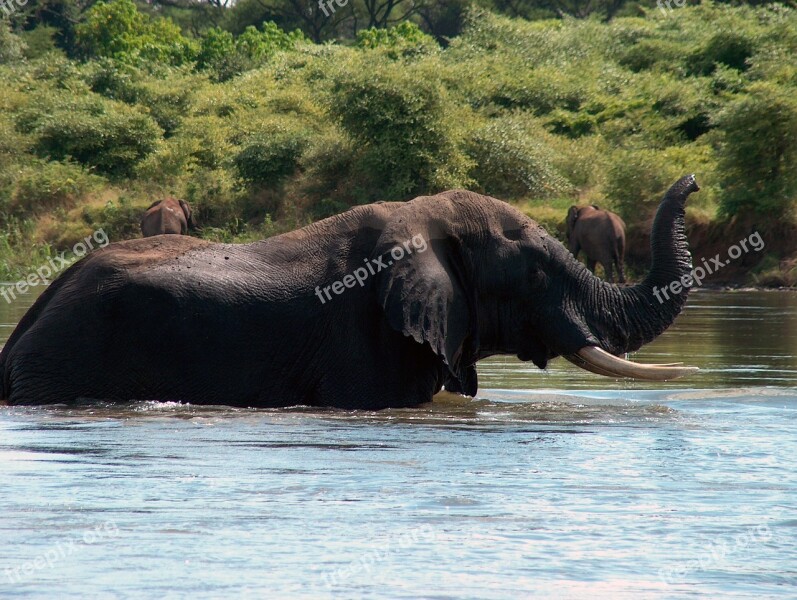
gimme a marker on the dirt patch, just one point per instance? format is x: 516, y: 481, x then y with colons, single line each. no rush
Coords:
x: 772, y: 266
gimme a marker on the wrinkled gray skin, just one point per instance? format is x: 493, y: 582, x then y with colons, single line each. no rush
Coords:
x: 167, y: 216
x: 601, y: 235
x: 177, y: 318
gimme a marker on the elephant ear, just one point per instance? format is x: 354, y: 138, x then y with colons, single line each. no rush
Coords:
x: 572, y: 217
x: 424, y: 295
x: 189, y: 216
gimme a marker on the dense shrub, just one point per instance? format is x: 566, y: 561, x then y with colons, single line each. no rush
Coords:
x: 405, y: 39
x: 406, y: 140
x: 270, y: 156
x: 758, y: 152
x: 117, y: 30
x: 12, y: 48
x: 119, y: 218
x: 225, y: 56
x: 512, y: 161
x: 729, y: 48
x: 636, y: 181
x: 110, y: 137
x: 47, y: 185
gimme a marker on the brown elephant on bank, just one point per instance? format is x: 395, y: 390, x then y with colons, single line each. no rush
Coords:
x: 169, y: 215
x: 601, y: 235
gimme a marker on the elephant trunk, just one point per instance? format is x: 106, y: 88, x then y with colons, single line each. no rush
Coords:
x: 624, y: 319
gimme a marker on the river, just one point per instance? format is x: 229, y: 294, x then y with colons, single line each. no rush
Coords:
x: 557, y: 484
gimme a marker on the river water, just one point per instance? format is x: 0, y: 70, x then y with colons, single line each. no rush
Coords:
x: 558, y: 484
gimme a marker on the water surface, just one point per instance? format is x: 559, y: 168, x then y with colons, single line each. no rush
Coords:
x: 557, y: 484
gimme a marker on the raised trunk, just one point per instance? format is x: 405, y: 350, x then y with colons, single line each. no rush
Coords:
x: 624, y: 319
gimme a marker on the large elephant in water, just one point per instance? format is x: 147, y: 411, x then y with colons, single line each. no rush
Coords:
x: 372, y: 308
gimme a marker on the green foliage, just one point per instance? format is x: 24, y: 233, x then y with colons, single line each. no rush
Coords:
x: 39, y: 41
x: 225, y: 56
x: 270, y: 156
x: 166, y: 97
x: 12, y: 48
x: 261, y: 130
x: 108, y: 136
x: 216, y: 44
x: 729, y: 48
x: 637, y: 180
x: 48, y: 185
x: 117, y: 30
x: 119, y: 218
x: 17, y: 252
x: 405, y: 137
x: 512, y: 160
x: 758, y: 152
x: 405, y: 39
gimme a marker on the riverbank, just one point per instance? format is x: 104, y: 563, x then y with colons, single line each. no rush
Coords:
x: 559, y: 111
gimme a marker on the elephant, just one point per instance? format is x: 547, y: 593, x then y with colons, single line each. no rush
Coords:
x: 601, y: 235
x: 373, y: 308
x: 169, y: 215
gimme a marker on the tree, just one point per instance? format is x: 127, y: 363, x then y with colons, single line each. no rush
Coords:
x: 758, y: 152
x: 119, y: 31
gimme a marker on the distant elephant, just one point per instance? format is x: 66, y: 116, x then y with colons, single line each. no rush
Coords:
x: 167, y: 216
x: 601, y: 235
x: 376, y: 307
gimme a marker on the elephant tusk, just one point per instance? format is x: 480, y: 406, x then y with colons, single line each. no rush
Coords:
x: 596, y: 360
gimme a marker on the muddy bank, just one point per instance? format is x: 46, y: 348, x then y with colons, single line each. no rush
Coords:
x: 751, y: 252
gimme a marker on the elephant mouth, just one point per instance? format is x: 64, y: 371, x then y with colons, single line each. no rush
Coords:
x: 596, y: 360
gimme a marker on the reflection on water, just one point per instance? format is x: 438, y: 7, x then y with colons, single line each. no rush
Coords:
x: 560, y: 484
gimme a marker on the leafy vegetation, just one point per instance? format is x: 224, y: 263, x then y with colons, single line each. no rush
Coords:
x: 111, y: 105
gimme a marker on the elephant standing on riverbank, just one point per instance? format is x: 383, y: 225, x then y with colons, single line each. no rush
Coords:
x: 601, y: 235
x: 167, y: 216
x: 376, y: 307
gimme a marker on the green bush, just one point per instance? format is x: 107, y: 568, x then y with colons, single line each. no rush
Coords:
x: 637, y: 180
x: 47, y: 185
x: 39, y: 42
x: 166, y: 97
x: 119, y: 219
x: 268, y: 157
x: 729, y: 48
x: 12, y: 48
x: 511, y: 161
x: 108, y: 136
x: 225, y: 56
x: 757, y: 152
x: 18, y: 251
x: 117, y: 30
x: 214, y: 199
x: 403, y: 40
x: 406, y: 139
x: 328, y: 164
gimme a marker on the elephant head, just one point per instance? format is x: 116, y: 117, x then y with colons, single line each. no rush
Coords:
x: 493, y: 282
